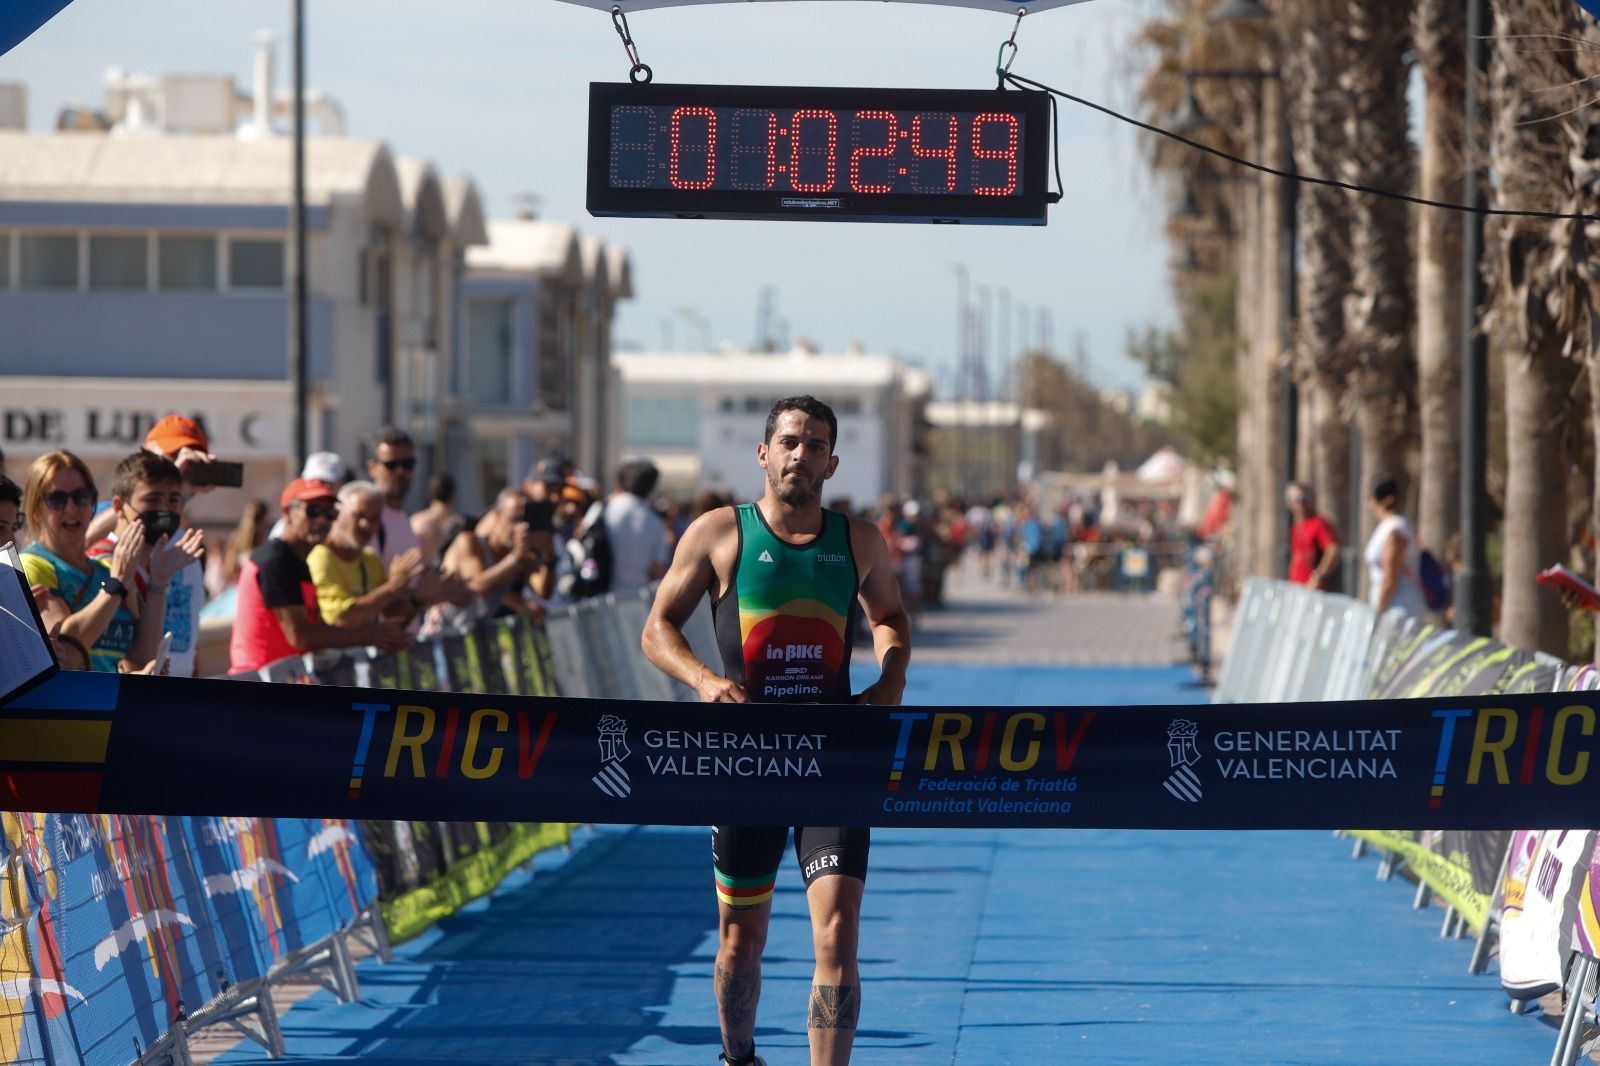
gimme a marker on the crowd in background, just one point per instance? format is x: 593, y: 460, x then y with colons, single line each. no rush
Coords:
x: 340, y: 562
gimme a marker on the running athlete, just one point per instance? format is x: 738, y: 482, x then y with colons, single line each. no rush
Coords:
x: 785, y: 575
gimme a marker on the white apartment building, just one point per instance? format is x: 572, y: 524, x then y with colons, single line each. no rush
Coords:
x: 700, y: 417
x: 144, y: 269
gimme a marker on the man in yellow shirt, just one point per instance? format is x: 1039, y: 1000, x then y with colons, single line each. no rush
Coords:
x: 353, y: 585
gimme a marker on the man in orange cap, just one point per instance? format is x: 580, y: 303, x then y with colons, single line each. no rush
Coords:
x: 277, y: 614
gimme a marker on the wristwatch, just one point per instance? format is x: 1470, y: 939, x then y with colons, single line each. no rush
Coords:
x: 116, y: 588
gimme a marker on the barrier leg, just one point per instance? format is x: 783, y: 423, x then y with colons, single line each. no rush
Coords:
x: 1566, y: 1049
x: 1448, y: 927
x: 1423, y: 895
x: 1480, y: 950
x: 370, y: 930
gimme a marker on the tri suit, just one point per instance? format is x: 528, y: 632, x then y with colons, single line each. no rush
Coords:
x: 784, y: 627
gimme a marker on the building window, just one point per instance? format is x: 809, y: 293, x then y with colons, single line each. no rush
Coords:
x: 254, y: 264
x: 119, y: 263
x: 662, y: 421
x: 555, y: 352
x: 5, y: 260
x: 850, y: 406
x: 726, y: 405
x: 188, y: 263
x: 49, y: 262
x: 489, y: 353
x: 755, y: 405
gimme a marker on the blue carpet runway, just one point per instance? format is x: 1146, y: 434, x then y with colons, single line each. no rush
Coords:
x: 978, y: 947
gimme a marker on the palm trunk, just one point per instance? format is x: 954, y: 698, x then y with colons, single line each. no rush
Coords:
x: 1537, y: 385
x: 1379, y: 311
x: 1441, y: 49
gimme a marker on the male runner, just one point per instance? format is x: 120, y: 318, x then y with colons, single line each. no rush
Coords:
x: 783, y: 571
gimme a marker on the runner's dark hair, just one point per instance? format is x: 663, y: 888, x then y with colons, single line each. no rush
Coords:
x: 143, y: 468
x: 811, y: 406
x: 10, y: 491
x: 391, y: 435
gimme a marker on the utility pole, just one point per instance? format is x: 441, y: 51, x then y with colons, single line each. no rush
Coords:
x: 297, y: 300
x: 1472, y: 610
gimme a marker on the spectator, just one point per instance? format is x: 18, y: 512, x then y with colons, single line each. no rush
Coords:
x: 547, y: 478
x: 638, y: 536
x: 1392, y: 556
x: 277, y: 614
x: 1313, y: 543
x: 319, y: 466
x: 392, y: 467
x: 147, y: 490
x: 10, y: 509
x: 584, y: 561
x: 248, y: 535
x: 437, y: 524
x: 83, y: 599
x: 496, y: 561
x: 353, y: 585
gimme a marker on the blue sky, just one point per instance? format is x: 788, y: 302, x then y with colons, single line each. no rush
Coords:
x: 497, y: 89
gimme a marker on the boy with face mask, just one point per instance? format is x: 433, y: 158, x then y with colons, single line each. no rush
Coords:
x: 147, y: 488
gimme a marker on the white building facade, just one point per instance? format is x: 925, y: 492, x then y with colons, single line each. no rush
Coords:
x: 144, y: 269
x: 700, y: 417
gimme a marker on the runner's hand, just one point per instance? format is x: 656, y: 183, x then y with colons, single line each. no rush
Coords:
x: 882, y: 694
x: 716, y: 689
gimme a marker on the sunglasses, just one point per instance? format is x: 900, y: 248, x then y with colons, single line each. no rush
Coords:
x: 327, y: 510
x: 58, y: 500
x: 398, y: 464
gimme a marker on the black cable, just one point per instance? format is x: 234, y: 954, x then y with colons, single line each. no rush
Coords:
x: 1018, y: 79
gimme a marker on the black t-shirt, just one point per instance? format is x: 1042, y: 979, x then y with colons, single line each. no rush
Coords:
x: 282, y: 575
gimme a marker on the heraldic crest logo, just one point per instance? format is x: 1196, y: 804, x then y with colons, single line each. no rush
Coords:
x: 613, y: 778
x: 1183, y: 782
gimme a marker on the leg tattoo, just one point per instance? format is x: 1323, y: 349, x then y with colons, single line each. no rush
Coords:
x: 737, y: 994
x: 834, y: 1006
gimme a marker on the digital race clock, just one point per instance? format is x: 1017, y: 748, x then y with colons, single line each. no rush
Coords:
x: 825, y: 155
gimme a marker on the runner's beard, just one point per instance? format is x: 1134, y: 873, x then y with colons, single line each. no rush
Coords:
x: 793, y: 493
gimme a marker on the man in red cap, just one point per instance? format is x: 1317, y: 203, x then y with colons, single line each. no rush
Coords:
x: 276, y: 614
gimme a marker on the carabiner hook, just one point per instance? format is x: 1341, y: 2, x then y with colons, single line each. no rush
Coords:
x: 1002, y: 63
x: 619, y: 22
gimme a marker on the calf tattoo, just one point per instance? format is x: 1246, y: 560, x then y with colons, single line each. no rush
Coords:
x: 737, y: 994
x: 834, y: 1006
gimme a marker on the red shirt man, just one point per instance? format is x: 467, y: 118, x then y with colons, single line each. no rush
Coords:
x: 1313, y: 542
x: 276, y: 614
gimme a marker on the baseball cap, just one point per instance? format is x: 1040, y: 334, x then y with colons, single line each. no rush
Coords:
x: 548, y: 471
x: 174, y: 433
x: 304, y: 488
x: 324, y: 466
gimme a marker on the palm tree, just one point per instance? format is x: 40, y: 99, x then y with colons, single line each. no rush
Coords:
x: 1316, y: 34
x: 1439, y: 29
x: 1536, y: 294
x: 1378, y: 310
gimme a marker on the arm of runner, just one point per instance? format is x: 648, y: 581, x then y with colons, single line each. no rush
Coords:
x: 691, y: 576
x: 891, y: 627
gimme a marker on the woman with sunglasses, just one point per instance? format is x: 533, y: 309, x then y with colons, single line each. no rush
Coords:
x: 86, y: 600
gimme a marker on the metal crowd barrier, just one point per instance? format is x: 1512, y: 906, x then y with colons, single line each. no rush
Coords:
x: 1292, y: 644
x: 121, y: 937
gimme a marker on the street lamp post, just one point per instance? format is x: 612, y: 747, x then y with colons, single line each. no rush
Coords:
x: 298, y: 371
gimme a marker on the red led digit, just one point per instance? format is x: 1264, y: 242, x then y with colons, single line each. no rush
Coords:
x: 1008, y: 153
x: 886, y: 151
x: 796, y: 152
x: 947, y: 153
x: 678, y: 116
x: 633, y: 147
x: 772, y: 148
x: 748, y: 160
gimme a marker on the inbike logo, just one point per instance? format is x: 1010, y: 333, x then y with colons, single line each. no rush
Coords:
x: 1183, y: 751
x: 418, y: 740
x: 1504, y: 737
x: 613, y: 778
x: 786, y: 653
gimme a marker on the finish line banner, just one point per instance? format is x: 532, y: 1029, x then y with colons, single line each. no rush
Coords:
x: 103, y: 743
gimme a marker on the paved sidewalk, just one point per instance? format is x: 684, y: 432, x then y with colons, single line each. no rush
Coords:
x: 984, y: 622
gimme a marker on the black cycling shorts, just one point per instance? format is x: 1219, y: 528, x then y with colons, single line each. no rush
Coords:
x: 746, y: 858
